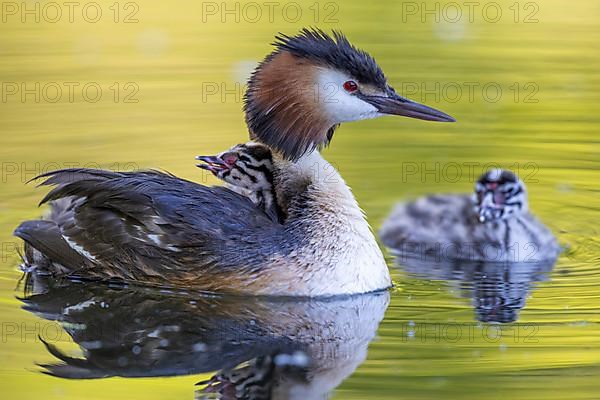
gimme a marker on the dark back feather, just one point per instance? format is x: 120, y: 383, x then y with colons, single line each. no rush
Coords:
x: 151, y: 226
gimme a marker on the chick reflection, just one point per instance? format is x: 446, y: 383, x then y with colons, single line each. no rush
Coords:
x: 261, y: 348
x: 498, y: 290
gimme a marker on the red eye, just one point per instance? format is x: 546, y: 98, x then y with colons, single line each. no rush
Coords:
x: 350, y: 86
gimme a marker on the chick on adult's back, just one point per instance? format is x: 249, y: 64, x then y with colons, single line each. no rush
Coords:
x: 247, y: 169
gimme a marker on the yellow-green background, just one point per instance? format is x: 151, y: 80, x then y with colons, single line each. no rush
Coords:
x: 171, y: 54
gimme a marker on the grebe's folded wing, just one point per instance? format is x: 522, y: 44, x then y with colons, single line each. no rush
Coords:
x: 102, y: 214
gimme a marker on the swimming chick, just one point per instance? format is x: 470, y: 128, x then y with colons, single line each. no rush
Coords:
x: 153, y: 227
x: 494, y: 225
x: 247, y: 169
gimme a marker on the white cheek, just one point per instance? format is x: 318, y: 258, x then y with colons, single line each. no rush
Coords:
x: 340, y: 105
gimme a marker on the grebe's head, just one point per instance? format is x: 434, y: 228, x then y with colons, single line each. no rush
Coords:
x: 248, y: 165
x: 310, y: 84
x: 500, y: 195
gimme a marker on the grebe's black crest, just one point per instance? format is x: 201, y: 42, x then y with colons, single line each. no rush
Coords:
x: 336, y: 51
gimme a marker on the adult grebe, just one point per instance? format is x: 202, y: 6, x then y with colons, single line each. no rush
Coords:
x: 493, y: 225
x: 154, y: 227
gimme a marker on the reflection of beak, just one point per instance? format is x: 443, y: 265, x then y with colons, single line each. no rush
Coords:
x: 213, y: 164
x: 395, y: 104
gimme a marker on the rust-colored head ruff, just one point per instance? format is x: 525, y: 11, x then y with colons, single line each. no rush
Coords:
x: 284, y: 102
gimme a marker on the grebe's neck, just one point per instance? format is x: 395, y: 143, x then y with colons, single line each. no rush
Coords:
x: 332, y: 241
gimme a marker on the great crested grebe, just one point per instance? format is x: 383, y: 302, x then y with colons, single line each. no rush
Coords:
x: 494, y: 225
x: 248, y: 169
x: 154, y: 227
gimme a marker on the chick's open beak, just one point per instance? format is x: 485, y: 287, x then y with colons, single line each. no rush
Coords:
x: 213, y: 164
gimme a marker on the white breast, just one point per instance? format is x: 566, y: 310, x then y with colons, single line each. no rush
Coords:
x: 341, y: 255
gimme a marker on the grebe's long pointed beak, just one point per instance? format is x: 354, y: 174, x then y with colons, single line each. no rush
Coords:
x: 394, y: 104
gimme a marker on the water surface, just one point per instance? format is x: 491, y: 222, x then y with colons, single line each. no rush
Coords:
x: 171, y: 89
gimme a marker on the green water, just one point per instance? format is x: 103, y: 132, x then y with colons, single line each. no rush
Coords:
x: 169, y: 91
